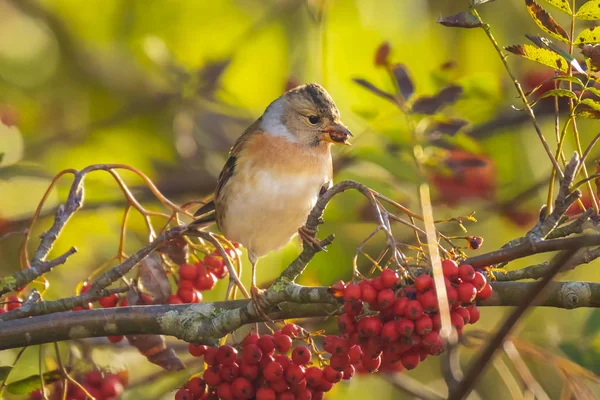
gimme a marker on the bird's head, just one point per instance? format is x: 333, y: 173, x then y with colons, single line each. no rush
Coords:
x: 307, y: 115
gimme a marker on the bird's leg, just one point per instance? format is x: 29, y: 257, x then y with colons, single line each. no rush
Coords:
x: 308, y: 236
x: 258, y: 297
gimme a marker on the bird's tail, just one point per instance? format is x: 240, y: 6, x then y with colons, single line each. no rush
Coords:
x: 207, y: 216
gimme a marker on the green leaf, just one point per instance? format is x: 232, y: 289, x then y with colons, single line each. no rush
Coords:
x: 542, y: 56
x: 461, y: 20
x: 591, y: 114
x: 593, y: 90
x: 584, y: 355
x: 592, y: 325
x: 593, y: 104
x: 562, y: 5
x: 4, y: 371
x: 559, y: 93
x: 588, y: 36
x: 546, y: 22
x: 33, y: 382
x: 589, y: 10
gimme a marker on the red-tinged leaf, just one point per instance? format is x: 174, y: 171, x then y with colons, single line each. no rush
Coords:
x: 405, y: 84
x: 154, y: 348
x: 374, y: 89
x: 450, y: 127
x: 176, y: 249
x: 539, y: 55
x: 154, y: 280
x: 382, y: 54
x: 588, y: 36
x: 562, y: 5
x: 461, y: 20
x: 592, y: 54
x: 431, y: 104
x: 546, y: 22
x: 590, y: 10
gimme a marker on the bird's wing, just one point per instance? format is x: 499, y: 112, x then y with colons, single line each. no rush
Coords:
x: 207, y: 211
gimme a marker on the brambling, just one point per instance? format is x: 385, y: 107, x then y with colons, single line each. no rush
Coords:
x: 275, y: 173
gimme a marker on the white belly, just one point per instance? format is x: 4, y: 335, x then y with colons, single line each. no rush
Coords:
x: 264, y: 214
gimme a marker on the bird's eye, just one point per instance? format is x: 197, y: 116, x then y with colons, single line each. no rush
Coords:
x: 313, y: 119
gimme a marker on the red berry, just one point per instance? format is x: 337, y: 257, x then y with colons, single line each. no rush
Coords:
x: 115, y: 339
x: 405, y: 327
x: 371, y: 364
x: 279, y: 385
x: 249, y: 371
x: 252, y: 338
x: 429, y: 301
x: 265, y: 393
x: 112, y: 386
x: 389, y: 278
x: 188, y: 271
x: 313, y: 376
x: 266, y: 359
x: 386, y: 297
x: 369, y: 326
x: 212, y: 377
x: 450, y: 269
x: 229, y: 372
x: 457, y: 321
x: 410, y: 359
x: 332, y: 375
x: 224, y: 391
x: 197, y: 351
x: 305, y: 394
x: 389, y: 332
x: 352, y: 293
x: 368, y: 293
x: 284, y: 360
x: 187, y: 295
x: 294, y: 374
x: 214, y: 262
x: 464, y: 313
x: 183, y: 394
x: 251, y: 354
x: 283, y: 343
x: 242, y: 388
x: 196, y: 386
x: 287, y: 395
x: 466, y: 272
x: 184, y: 283
x: 266, y: 344
x: 339, y: 361
x: 291, y: 330
x: 414, y: 310
x: 14, y: 302
x: 210, y: 356
x: 273, y: 371
x: 174, y: 299
x: 346, y: 324
x: 206, y: 282
x: 325, y: 386
x: 466, y: 292
x: 348, y: 372
x: 430, y: 339
x: 452, y: 295
x: 474, y: 314
x: 423, y: 325
x: 423, y: 282
x: 355, y: 354
x: 399, y: 306
x: 479, y: 281
x: 226, y: 355
x: 109, y: 301
x: 485, y: 293
x: 301, y: 355
x: 353, y: 308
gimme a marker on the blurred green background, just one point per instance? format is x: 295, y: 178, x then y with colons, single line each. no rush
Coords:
x: 167, y: 86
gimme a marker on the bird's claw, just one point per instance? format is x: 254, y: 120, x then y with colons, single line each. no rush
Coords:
x: 308, y: 236
x: 260, y: 303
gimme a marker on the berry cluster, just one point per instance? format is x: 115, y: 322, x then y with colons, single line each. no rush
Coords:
x: 398, y: 327
x: 10, y: 303
x: 199, y: 277
x: 102, y: 386
x: 265, y: 367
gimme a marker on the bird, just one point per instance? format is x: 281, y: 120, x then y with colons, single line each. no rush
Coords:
x: 275, y: 173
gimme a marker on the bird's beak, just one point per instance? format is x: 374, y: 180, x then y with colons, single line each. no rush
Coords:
x: 337, y: 133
